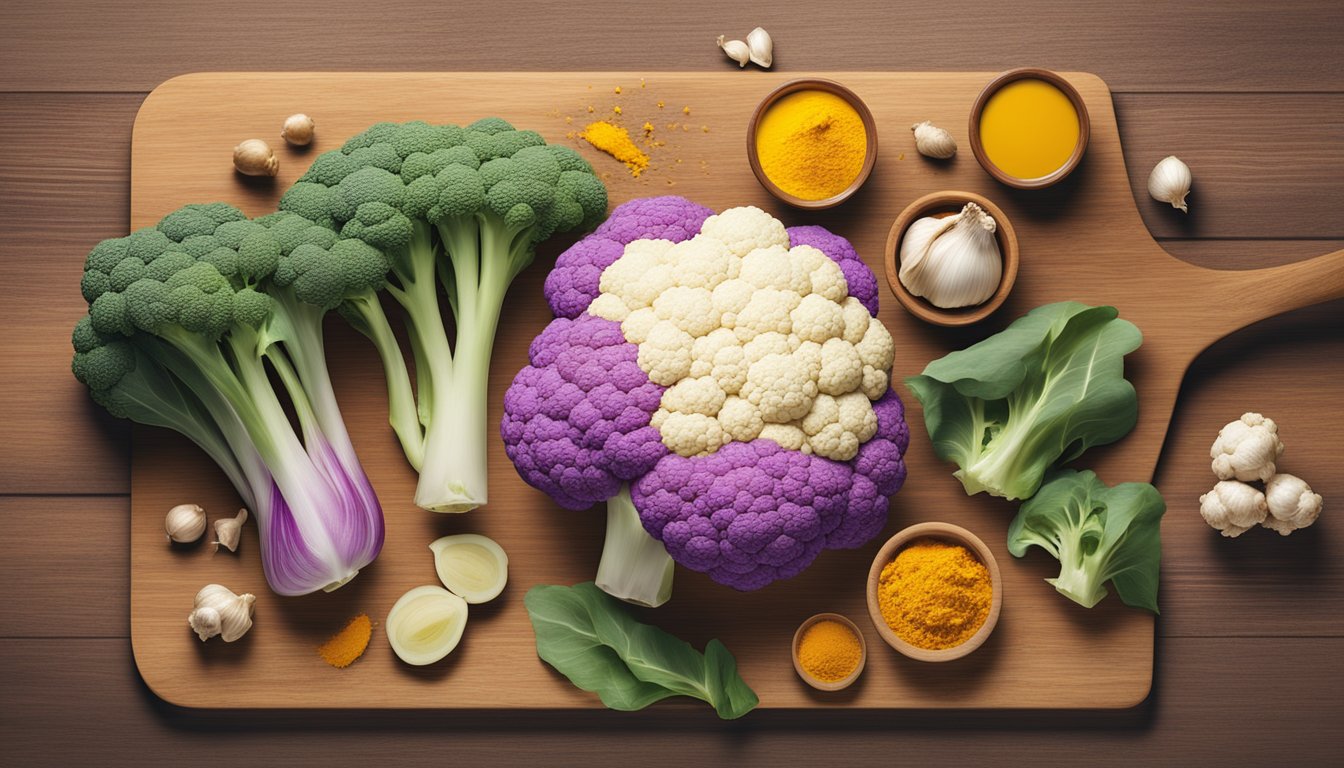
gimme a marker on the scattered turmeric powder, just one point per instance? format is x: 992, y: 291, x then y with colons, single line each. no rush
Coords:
x: 615, y: 141
x: 829, y: 651
x: 616, y: 109
x: 618, y: 89
x: 648, y: 128
x: 935, y: 594
x: 811, y: 144
x: 660, y: 104
x: 685, y: 110
x: 348, y: 644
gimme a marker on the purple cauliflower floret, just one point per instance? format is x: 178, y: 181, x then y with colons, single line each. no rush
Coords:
x: 754, y: 513
x: 572, y: 284
x: 862, y: 282
x: 578, y: 426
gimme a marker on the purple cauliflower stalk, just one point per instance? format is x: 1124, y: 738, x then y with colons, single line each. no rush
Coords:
x: 577, y: 425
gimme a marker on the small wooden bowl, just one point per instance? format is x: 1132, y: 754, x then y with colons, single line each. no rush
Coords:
x: 828, y: 86
x: 1084, y: 127
x: 957, y: 535
x: 822, y: 685
x: 951, y: 202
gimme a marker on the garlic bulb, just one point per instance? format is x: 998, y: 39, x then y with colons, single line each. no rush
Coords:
x: 1233, y: 508
x: 952, y: 262
x: 762, y: 48
x: 471, y: 566
x: 255, y: 158
x: 298, y: 130
x: 426, y: 624
x: 218, y: 611
x: 736, y: 50
x: 184, y: 523
x: 1246, y: 449
x: 1292, y: 505
x: 228, y: 530
x: 1170, y: 182
x: 932, y: 141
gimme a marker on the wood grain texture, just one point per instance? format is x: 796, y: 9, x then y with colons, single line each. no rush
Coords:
x: 62, y: 189
x: 51, y: 684
x: 1149, y: 46
x: 1040, y: 634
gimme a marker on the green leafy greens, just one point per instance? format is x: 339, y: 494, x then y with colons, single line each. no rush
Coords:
x: 1039, y: 392
x: 1098, y: 534
x: 588, y: 636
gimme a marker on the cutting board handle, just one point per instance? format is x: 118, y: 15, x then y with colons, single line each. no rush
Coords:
x: 1234, y: 299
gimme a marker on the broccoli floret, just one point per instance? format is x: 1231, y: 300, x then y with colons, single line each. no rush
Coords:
x: 184, y: 319
x: 458, y: 207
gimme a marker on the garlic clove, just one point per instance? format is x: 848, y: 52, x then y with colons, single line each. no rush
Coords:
x: 471, y: 566
x: 1169, y: 182
x: 1233, y: 507
x: 298, y: 130
x: 761, y: 47
x: 1246, y: 449
x: 220, y: 612
x: 228, y: 530
x: 254, y: 157
x: 932, y: 141
x: 184, y: 523
x: 736, y: 50
x: 426, y: 624
x: 1292, y: 504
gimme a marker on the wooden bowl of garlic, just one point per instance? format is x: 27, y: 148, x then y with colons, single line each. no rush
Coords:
x: 951, y: 258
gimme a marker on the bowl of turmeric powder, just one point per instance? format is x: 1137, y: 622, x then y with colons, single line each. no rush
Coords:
x: 934, y: 592
x: 812, y: 143
x: 829, y: 652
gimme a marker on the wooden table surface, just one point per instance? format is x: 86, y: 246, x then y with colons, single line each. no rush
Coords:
x: 1250, y: 644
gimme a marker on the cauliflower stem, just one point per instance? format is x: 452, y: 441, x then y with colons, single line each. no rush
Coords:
x: 635, y: 567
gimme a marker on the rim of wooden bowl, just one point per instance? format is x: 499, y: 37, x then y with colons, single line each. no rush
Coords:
x: 828, y: 86
x: 1084, y: 127
x: 822, y: 685
x: 952, y: 201
x: 946, y: 532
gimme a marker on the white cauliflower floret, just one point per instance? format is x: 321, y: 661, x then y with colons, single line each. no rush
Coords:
x: 752, y: 338
x: 690, y: 309
x: 817, y: 318
x: 740, y: 420
x: 745, y: 229
x: 1233, y: 508
x: 666, y: 355
x: 779, y: 386
x: 691, y: 434
x: 841, y: 368
x: 1246, y: 449
x: 636, y: 325
x: 1292, y: 504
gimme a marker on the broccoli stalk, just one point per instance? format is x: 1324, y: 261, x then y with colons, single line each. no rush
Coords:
x: 635, y: 567
x: 461, y: 208
x: 187, y: 322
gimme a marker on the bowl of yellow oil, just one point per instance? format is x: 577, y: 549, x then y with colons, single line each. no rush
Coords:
x: 1029, y: 128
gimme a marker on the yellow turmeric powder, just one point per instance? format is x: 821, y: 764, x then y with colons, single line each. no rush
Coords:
x: 935, y: 594
x: 829, y: 651
x: 348, y: 644
x: 811, y: 144
x: 616, y: 141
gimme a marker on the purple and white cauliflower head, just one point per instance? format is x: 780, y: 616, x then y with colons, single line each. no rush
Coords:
x: 730, y: 372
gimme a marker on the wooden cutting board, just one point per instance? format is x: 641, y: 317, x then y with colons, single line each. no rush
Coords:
x: 1082, y: 240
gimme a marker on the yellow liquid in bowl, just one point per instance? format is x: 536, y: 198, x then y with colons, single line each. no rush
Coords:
x: 1029, y: 129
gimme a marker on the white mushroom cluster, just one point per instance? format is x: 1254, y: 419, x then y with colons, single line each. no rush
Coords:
x: 1247, y: 452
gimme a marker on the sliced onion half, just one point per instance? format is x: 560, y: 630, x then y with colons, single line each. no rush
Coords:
x: 426, y: 624
x: 472, y: 566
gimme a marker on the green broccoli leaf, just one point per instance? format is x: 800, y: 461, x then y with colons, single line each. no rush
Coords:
x: 1098, y: 534
x: 1040, y: 392
x: 590, y: 638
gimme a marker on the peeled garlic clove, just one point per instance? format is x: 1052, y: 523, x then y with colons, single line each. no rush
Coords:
x: 228, y: 530
x: 471, y: 566
x: 932, y: 141
x: 1170, y: 182
x: 218, y: 611
x: 184, y: 523
x: 736, y: 50
x: 426, y: 624
x: 761, y: 47
x: 255, y: 158
x: 298, y: 130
